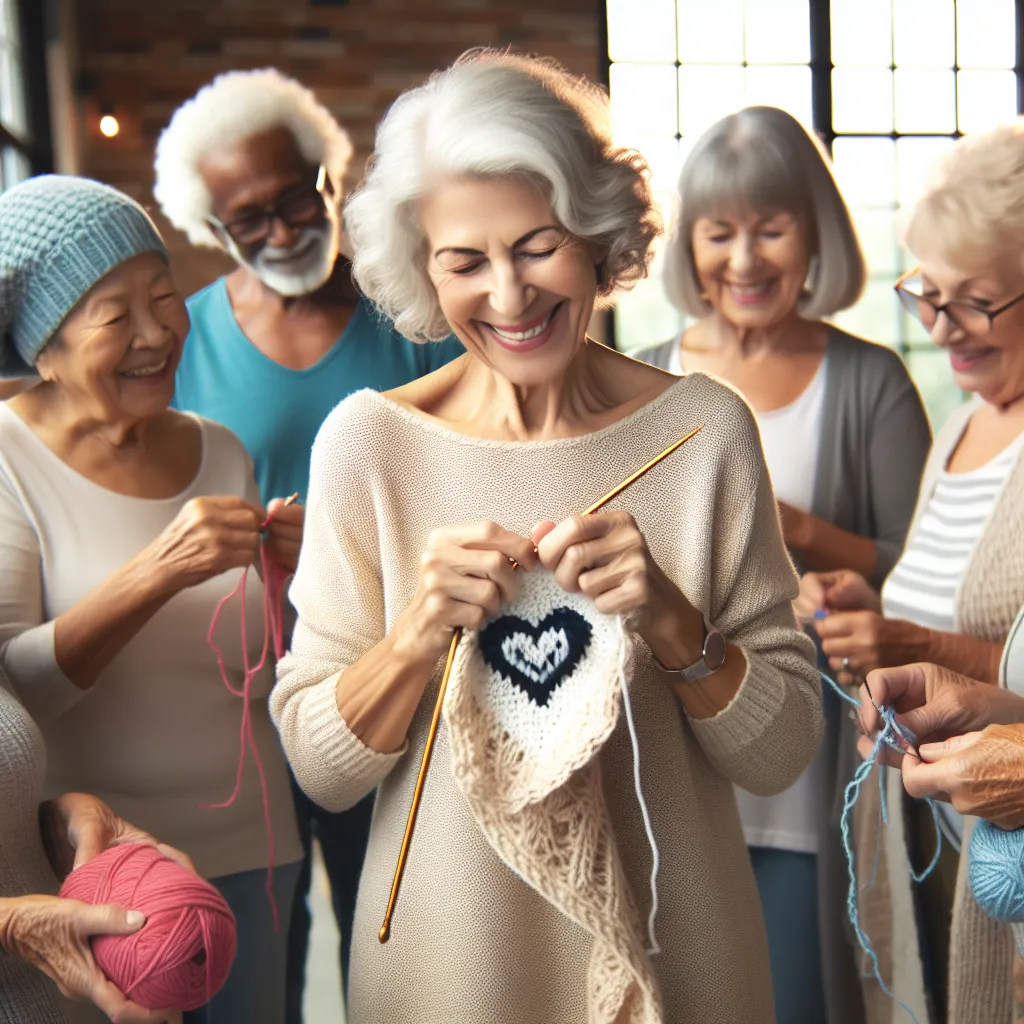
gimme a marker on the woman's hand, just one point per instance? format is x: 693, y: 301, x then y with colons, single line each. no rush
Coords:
x: 53, y: 934
x: 208, y: 537
x: 606, y: 558
x: 981, y: 773
x: 861, y: 641
x: 841, y: 590
x: 284, y: 533
x: 934, y: 703
x: 796, y: 526
x: 77, y: 827
x: 466, y: 574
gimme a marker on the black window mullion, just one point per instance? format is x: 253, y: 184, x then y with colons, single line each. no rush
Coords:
x: 821, y: 70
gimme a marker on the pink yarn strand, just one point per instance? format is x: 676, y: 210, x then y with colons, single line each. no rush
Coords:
x: 274, y: 577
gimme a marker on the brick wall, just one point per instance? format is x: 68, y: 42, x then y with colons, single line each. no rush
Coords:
x: 144, y: 57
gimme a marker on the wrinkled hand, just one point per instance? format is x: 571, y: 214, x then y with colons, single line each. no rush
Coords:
x: 981, y: 773
x: 207, y: 537
x: 841, y: 590
x: 284, y: 533
x: 466, y: 575
x: 77, y: 827
x: 53, y: 934
x: 934, y: 703
x: 866, y: 640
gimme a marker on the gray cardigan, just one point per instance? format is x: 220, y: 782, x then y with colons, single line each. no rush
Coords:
x: 875, y: 439
x: 874, y: 445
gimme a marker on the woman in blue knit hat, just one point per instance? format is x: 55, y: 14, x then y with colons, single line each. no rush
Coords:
x: 123, y: 524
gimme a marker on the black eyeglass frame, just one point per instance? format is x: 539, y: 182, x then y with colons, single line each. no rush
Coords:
x: 990, y: 314
x: 323, y: 187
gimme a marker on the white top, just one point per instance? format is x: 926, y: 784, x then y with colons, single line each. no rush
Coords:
x: 791, y: 437
x: 922, y: 587
x: 157, y: 736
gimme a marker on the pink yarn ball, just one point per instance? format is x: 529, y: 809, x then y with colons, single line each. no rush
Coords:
x: 182, y: 955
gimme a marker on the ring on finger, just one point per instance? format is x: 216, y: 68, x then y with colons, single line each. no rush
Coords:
x: 846, y: 664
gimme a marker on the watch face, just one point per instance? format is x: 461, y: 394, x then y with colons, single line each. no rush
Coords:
x: 715, y: 649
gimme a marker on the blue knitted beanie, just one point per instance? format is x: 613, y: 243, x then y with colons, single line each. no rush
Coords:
x: 58, y: 236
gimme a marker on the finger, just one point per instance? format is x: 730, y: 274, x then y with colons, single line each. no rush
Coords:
x: 108, y: 919
x: 885, y: 756
x: 921, y: 779
x: 568, y: 533
x: 475, y: 590
x: 902, y: 689
x: 489, y: 536
x: 180, y: 858
x: 934, y: 752
x: 471, y: 563
x: 868, y: 719
x: 812, y: 589
x: 836, y: 625
x: 541, y: 530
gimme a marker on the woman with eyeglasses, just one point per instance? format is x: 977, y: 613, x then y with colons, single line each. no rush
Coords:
x: 123, y: 526
x: 955, y: 592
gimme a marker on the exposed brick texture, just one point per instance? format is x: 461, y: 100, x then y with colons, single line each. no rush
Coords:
x: 145, y: 57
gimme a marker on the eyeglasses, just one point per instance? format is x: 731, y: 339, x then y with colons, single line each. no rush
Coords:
x: 969, y: 317
x: 297, y: 207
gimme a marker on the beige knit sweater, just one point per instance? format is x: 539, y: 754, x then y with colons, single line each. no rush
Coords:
x: 981, y: 953
x: 471, y: 941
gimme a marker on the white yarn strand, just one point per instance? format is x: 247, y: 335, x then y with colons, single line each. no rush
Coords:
x: 652, y: 941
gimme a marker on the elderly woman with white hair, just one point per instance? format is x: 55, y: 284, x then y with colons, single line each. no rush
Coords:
x: 763, y: 250
x: 955, y: 592
x: 498, y: 206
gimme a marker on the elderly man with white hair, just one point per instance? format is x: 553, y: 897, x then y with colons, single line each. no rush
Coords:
x: 255, y: 166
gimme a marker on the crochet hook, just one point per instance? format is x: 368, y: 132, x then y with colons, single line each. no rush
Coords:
x: 428, y: 747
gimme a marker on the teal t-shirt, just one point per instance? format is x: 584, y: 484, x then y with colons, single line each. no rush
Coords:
x: 276, y: 412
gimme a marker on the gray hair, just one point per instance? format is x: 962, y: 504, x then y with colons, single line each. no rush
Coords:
x: 972, y: 210
x: 234, y: 106
x: 494, y: 115
x: 763, y: 158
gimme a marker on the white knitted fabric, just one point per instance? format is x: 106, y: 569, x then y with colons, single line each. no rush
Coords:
x: 532, y: 699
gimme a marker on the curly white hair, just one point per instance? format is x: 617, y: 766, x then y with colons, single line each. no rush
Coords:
x: 234, y: 106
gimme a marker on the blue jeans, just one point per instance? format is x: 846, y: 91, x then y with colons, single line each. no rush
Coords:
x: 255, y: 989
x: 788, y: 884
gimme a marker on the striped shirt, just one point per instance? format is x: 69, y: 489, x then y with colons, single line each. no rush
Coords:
x: 922, y: 587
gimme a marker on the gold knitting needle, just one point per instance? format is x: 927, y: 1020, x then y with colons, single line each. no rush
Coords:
x: 428, y: 747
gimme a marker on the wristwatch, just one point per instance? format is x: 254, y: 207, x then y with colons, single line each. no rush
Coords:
x: 712, y: 657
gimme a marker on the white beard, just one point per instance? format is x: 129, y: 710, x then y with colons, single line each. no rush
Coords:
x: 281, y: 271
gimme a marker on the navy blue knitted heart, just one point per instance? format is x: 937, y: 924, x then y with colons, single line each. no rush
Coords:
x: 536, y: 658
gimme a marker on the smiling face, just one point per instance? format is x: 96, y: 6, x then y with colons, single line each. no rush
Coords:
x: 752, y: 267
x: 267, y: 171
x: 517, y: 289
x: 989, y: 364
x: 116, y: 353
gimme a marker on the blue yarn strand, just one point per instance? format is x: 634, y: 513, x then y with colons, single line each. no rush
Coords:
x: 887, y: 737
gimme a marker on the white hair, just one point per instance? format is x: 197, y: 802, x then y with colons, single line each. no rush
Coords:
x: 762, y: 158
x: 495, y: 115
x: 971, y: 212
x: 238, y: 105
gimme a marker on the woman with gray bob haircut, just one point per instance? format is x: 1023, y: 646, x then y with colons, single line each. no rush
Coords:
x: 498, y: 207
x: 763, y: 249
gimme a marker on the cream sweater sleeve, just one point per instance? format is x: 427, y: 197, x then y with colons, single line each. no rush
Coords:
x: 338, y: 595
x: 770, y: 732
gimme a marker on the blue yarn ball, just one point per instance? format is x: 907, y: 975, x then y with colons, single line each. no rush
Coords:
x: 997, y: 871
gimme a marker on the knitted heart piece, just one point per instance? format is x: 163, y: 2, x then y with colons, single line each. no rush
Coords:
x: 536, y: 657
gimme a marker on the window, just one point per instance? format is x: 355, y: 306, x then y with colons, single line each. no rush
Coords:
x: 15, y: 154
x: 887, y: 84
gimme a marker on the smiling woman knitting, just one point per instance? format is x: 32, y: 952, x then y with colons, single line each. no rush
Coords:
x: 497, y: 207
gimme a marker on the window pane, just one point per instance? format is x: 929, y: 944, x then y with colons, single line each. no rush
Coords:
x: 862, y: 100
x: 662, y: 153
x: 14, y: 167
x: 914, y: 161
x: 866, y: 170
x: 777, y: 31
x: 985, y: 34
x: 877, y: 231
x: 9, y: 22
x: 643, y: 98
x: 923, y: 33
x: 785, y: 86
x: 985, y: 98
x: 925, y: 101
x: 12, y: 98
x: 643, y: 316
x: 709, y: 32
x: 876, y: 316
x: 706, y: 93
x: 644, y: 31
x: 931, y: 372
x: 862, y: 32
